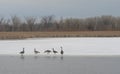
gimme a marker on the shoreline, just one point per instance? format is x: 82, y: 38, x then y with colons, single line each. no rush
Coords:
x: 65, y: 55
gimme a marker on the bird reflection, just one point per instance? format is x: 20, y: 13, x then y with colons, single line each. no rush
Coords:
x: 22, y: 57
x: 54, y: 57
x: 48, y: 57
x: 61, y: 57
x: 36, y: 57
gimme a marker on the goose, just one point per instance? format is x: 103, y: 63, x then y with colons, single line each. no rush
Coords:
x: 54, y: 51
x: 35, y: 51
x: 22, y: 52
x: 62, y: 52
x: 47, y: 51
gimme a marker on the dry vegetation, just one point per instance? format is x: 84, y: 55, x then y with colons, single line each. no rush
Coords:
x: 24, y: 35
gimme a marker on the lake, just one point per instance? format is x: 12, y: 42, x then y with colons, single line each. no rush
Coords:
x: 50, y: 64
x: 82, y: 56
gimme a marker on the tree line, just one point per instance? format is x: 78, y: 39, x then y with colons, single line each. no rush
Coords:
x: 50, y: 23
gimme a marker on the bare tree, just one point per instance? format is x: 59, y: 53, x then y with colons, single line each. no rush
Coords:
x: 16, y: 22
x: 1, y: 24
x: 47, y: 21
x: 30, y: 22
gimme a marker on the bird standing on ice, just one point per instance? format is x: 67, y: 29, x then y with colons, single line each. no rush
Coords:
x: 54, y: 51
x: 22, y: 52
x: 47, y: 51
x: 62, y: 52
x: 35, y: 51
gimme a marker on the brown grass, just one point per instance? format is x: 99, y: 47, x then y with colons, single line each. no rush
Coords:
x: 23, y: 35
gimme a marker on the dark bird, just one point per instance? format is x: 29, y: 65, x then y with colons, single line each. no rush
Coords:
x: 54, y: 51
x: 47, y: 51
x: 62, y: 52
x: 35, y: 51
x: 22, y: 52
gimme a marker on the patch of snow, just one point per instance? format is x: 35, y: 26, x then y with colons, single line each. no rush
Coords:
x: 71, y: 46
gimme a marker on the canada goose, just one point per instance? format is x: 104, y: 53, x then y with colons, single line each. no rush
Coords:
x: 22, y: 52
x: 35, y: 51
x: 47, y: 51
x: 54, y: 51
x: 62, y: 52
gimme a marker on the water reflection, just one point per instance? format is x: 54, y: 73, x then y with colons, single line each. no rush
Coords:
x: 70, y: 65
x: 57, y: 57
x: 48, y: 57
x: 22, y: 57
x: 36, y: 57
x: 62, y: 57
x: 54, y: 57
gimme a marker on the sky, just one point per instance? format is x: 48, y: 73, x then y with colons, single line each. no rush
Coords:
x: 59, y: 8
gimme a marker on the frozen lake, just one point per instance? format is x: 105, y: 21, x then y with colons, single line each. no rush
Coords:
x: 76, y: 60
x: 71, y: 46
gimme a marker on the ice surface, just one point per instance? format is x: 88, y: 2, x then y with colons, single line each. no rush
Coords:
x: 71, y: 46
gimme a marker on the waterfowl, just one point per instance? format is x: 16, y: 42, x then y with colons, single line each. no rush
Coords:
x: 35, y: 51
x: 61, y: 52
x: 54, y: 51
x: 47, y: 51
x: 22, y: 52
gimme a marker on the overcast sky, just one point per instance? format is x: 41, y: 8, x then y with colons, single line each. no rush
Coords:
x: 59, y: 8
